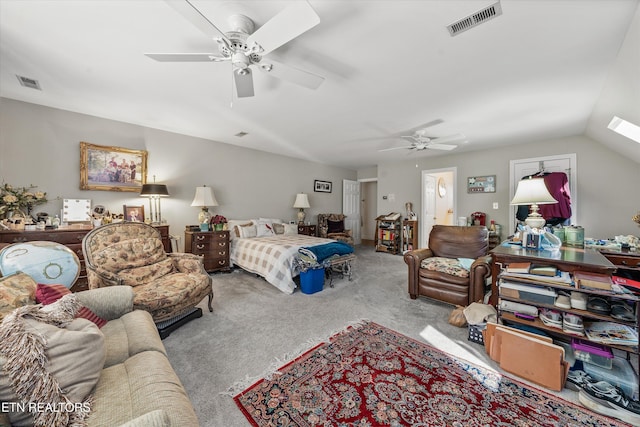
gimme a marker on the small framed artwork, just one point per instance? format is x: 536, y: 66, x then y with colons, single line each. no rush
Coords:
x: 481, y: 184
x: 134, y: 213
x: 322, y: 186
x: 112, y: 168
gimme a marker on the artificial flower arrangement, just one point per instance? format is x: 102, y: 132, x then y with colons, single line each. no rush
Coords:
x: 218, y: 222
x: 21, y: 199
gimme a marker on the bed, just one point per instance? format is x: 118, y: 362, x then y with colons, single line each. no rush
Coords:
x: 272, y: 257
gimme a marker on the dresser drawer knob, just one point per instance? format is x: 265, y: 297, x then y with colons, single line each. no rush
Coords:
x: 223, y: 253
x: 222, y: 262
x: 201, y: 237
x: 222, y: 243
x: 200, y: 246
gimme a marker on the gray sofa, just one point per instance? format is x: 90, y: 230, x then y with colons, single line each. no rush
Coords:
x: 137, y: 385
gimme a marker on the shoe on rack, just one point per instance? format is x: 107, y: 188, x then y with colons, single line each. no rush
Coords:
x: 579, y: 300
x: 563, y: 301
x: 610, y: 400
x: 572, y: 324
x: 551, y: 318
x: 577, y: 379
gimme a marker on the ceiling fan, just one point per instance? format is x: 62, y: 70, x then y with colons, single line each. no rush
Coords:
x: 421, y: 141
x: 245, y: 48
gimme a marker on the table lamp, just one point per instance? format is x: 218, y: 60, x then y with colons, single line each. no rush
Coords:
x: 302, y: 202
x: 534, y: 192
x: 204, y: 198
x: 154, y: 192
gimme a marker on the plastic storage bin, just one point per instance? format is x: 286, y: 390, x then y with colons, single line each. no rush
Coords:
x: 475, y: 333
x: 621, y: 374
x: 312, y: 280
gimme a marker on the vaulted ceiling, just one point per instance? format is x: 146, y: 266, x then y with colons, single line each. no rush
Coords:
x: 540, y: 70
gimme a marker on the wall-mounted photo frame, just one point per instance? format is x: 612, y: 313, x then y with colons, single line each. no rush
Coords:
x: 133, y: 213
x: 112, y: 168
x: 322, y: 186
x: 481, y: 184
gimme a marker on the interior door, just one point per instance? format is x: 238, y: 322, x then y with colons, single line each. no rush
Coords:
x: 562, y: 163
x: 351, y: 208
x: 428, y: 207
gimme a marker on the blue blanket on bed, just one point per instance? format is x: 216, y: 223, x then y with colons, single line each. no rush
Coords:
x: 321, y: 252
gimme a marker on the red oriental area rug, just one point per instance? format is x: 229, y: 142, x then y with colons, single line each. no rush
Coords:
x: 369, y: 375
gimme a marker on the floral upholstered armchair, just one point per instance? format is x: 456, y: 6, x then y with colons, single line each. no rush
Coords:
x: 331, y: 226
x: 168, y: 286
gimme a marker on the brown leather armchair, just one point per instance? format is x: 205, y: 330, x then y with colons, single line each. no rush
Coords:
x: 435, y: 273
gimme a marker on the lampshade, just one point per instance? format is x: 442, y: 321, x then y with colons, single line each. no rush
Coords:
x: 159, y: 190
x: 302, y: 201
x: 533, y: 192
x: 204, y: 197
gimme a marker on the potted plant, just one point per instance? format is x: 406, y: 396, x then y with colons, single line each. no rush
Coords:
x: 218, y: 222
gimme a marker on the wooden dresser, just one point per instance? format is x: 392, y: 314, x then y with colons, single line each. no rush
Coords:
x: 72, y: 238
x: 212, y: 245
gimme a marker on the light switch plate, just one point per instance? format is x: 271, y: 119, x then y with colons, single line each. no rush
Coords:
x: 495, y: 205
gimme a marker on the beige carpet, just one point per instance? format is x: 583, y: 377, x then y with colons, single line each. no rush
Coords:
x: 255, y: 328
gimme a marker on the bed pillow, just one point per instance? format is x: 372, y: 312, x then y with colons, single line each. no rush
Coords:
x: 247, y: 231
x: 272, y: 220
x: 290, y: 229
x: 278, y: 228
x: 16, y: 290
x: 232, y: 224
x: 264, y: 228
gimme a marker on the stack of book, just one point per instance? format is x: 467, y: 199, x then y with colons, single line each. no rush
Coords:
x: 526, y: 272
x: 611, y: 333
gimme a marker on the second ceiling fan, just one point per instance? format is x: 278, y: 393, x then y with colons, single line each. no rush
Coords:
x: 420, y: 139
x: 244, y: 47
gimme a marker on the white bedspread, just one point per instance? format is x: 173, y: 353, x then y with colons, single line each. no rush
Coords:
x: 272, y: 257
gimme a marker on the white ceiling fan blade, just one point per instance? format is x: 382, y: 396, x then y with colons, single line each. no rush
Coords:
x: 294, y: 75
x: 286, y: 25
x: 244, y: 82
x: 424, y: 126
x: 411, y: 137
x: 193, y: 15
x: 186, y: 57
x: 449, y: 138
x: 441, y: 146
x: 396, y: 148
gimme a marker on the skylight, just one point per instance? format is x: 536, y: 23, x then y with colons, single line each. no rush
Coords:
x: 625, y: 128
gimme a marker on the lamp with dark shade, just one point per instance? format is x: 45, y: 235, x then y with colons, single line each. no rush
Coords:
x: 534, y: 192
x: 154, y: 192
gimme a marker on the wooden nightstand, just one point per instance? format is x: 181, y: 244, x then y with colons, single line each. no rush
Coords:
x: 212, y: 245
x: 309, y: 230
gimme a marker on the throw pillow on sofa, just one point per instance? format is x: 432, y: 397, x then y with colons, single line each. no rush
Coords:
x: 52, y: 360
x: 16, y: 290
x: 48, y: 294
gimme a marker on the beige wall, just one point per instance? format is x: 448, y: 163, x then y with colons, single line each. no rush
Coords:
x: 608, y: 194
x: 40, y: 145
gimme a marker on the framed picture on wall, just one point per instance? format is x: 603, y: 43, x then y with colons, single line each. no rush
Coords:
x: 481, y: 184
x: 322, y: 186
x: 112, y: 168
x: 133, y: 213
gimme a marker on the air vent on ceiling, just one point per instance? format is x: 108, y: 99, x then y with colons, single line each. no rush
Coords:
x: 27, y: 82
x: 475, y: 19
x: 241, y: 134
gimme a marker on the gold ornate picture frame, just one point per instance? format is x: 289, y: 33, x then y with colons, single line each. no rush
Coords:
x: 112, y: 168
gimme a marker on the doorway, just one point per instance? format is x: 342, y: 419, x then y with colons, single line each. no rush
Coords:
x: 368, y: 211
x: 438, y: 201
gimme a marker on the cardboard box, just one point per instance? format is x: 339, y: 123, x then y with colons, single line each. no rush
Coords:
x: 530, y: 356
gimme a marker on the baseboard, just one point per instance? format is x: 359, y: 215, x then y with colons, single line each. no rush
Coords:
x: 166, y: 327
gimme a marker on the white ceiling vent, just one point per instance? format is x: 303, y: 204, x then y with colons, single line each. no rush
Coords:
x: 475, y: 19
x: 27, y: 82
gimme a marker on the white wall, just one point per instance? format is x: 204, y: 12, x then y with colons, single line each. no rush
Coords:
x: 40, y: 146
x: 608, y: 192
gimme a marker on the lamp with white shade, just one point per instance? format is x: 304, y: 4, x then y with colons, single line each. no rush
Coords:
x: 154, y: 192
x: 534, y: 192
x: 302, y: 203
x: 204, y: 198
